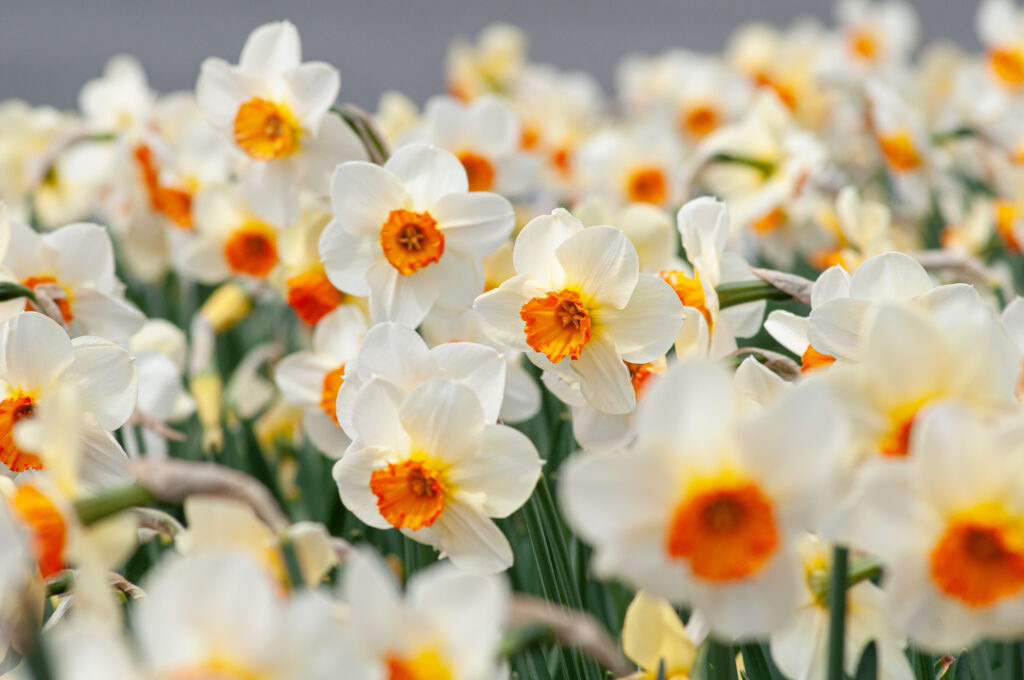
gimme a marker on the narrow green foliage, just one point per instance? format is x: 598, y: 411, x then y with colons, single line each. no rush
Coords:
x: 837, y: 613
x: 110, y: 502
x: 867, y: 668
x: 721, y: 661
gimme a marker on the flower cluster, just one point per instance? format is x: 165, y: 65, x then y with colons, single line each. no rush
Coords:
x: 290, y: 390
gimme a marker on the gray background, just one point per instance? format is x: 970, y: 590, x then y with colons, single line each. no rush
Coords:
x: 49, y: 48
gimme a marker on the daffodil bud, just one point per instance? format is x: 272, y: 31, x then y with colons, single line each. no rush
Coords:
x: 206, y: 390
x: 226, y: 308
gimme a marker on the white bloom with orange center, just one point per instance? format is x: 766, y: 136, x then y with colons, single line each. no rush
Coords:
x: 447, y: 626
x: 948, y: 526
x: 859, y: 228
x: 876, y: 35
x: 708, y: 330
x: 485, y: 136
x: 231, y: 240
x: 1000, y: 25
x: 218, y: 614
x: 491, y: 65
x: 790, y: 330
x: 649, y: 227
x: 312, y: 378
x: 638, y: 163
x: 579, y: 307
x: 800, y: 646
x: 159, y: 350
x: 36, y: 359
x: 410, y: 234
x: 913, y: 360
x: 276, y: 109
x: 431, y: 464
x: 120, y: 101
x: 903, y: 143
x: 76, y: 265
x: 703, y: 509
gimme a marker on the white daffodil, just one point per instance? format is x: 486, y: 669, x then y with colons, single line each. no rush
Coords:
x: 790, y: 330
x: 638, y: 163
x: 876, y: 36
x: 578, y: 295
x: 491, y: 65
x: 904, y: 145
x: 75, y: 264
x: 410, y: 234
x: 448, y: 625
x: 37, y: 359
x: 649, y: 227
x: 703, y: 509
x: 1000, y: 25
x: 301, y: 278
x: 913, y: 360
x: 485, y: 136
x: 120, y: 101
x: 275, y: 107
x: 158, y: 349
x: 218, y: 614
x: 231, y: 240
x: 708, y: 330
x: 800, y: 646
x: 948, y: 527
x: 311, y: 379
x: 859, y: 229
x: 431, y: 464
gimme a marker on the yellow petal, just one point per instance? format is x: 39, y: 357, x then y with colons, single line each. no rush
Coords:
x: 652, y: 631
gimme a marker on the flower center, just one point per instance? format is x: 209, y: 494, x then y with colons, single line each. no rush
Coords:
x: 640, y: 374
x: 312, y: 296
x: 863, y: 44
x: 979, y: 560
x: 896, y: 442
x: 689, y: 290
x: 1008, y: 65
x: 899, y: 152
x: 784, y: 92
x: 813, y: 359
x: 1006, y: 218
x: 529, y: 138
x: 175, y: 204
x: 410, y: 494
x: 63, y: 303
x: 424, y: 666
x: 329, y: 393
x: 252, y: 249
x: 557, y: 324
x: 479, y: 171
x: 265, y: 130
x: 769, y: 222
x: 46, y: 526
x: 699, y: 120
x: 725, y: 534
x: 12, y: 410
x: 647, y: 185
x: 411, y: 240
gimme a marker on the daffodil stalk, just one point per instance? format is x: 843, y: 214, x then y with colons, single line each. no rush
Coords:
x: 764, y: 167
x: 111, y: 501
x: 740, y: 292
x: 362, y: 125
x: 9, y: 290
x: 837, y: 611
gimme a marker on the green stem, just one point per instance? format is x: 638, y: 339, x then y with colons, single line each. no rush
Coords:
x: 291, y: 563
x: 9, y: 290
x: 860, y: 569
x: 520, y: 639
x: 764, y: 167
x: 60, y: 583
x: 110, y: 502
x: 741, y: 292
x: 955, y: 133
x: 837, y: 611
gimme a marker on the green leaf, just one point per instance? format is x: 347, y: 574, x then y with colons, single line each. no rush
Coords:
x: 721, y: 661
x: 837, y: 613
x: 867, y: 668
x: 756, y: 665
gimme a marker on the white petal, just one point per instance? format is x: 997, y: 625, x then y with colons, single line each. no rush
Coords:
x: 325, y: 434
x: 788, y: 329
x: 703, y: 224
x: 474, y: 224
x: 646, y: 327
x: 498, y: 311
x: 602, y: 262
x: 833, y: 283
x: 352, y: 474
x: 105, y: 315
x: 271, y: 188
x: 335, y: 143
x: 300, y: 378
x: 221, y: 90
x: 348, y: 258
x: 375, y: 417
x: 479, y: 368
x: 399, y: 298
x: 271, y: 49
x: 471, y: 540
x: 459, y: 281
x: 890, y: 276
x: 85, y: 254
x: 535, y: 247
x: 312, y: 87
x: 340, y: 333
x: 693, y: 402
x: 36, y: 351
x: 362, y: 196
x: 428, y: 173
x: 604, y: 378
x: 835, y: 327
x: 104, y: 374
x: 521, y: 400
x: 444, y: 418
x: 370, y: 589
x: 505, y: 473
x: 397, y: 353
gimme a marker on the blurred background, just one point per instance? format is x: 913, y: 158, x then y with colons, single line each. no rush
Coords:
x: 49, y: 48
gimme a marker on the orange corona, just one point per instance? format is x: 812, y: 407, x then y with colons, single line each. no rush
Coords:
x: 557, y: 324
x: 1008, y: 65
x: 410, y: 494
x: 252, y: 250
x: 329, y: 393
x: 979, y: 561
x: 63, y: 303
x: 699, y: 121
x: 479, y: 171
x: 266, y: 131
x: 689, y: 290
x: 411, y: 240
x: 13, y: 409
x: 899, y: 152
x: 175, y: 204
x: 640, y: 374
x: 863, y: 44
x: 312, y: 296
x: 423, y: 666
x: 647, y: 185
x: 769, y: 222
x: 725, y: 534
x: 46, y: 525
x: 813, y: 359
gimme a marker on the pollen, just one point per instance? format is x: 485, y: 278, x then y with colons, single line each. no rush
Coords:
x: 700, y: 120
x: 726, y: 533
x: 46, y: 526
x: 1008, y: 65
x: 312, y: 296
x: 899, y: 152
x: 813, y: 359
x: 329, y: 393
x: 252, y: 249
x: 979, y: 559
x: 647, y: 185
x: 265, y: 130
x: 689, y: 290
x: 557, y: 324
x: 424, y: 666
x: 411, y: 240
x: 410, y: 494
x: 63, y: 303
x: 12, y: 410
x: 479, y: 171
